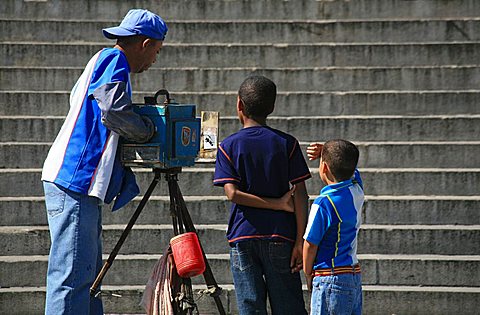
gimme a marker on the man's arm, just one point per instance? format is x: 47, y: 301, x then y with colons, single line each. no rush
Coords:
x: 301, y: 210
x: 309, y: 254
x: 284, y: 203
x: 118, y: 115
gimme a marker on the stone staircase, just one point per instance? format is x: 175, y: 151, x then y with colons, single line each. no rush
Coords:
x: 401, y: 79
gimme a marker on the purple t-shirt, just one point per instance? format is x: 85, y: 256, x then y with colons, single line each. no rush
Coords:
x: 264, y: 162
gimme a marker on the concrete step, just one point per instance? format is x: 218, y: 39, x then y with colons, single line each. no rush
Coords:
x: 153, y: 239
x: 254, y: 31
x: 305, y: 128
x: 404, y: 210
x: 423, y: 270
x: 185, y: 9
x: 331, y: 79
x: 422, y: 210
x: 288, y: 103
x: 377, y: 300
x: 198, y: 182
x: 255, y: 55
x: 373, y: 154
x: 117, y: 300
x: 143, y: 239
x: 419, y: 300
x: 393, y: 181
x: 425, y: 210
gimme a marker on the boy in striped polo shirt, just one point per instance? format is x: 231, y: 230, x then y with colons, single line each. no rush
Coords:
x: 330, y: 249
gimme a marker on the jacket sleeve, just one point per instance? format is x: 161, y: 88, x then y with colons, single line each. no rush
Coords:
x: 118, y: 115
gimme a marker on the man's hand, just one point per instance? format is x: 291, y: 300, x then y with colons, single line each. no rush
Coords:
x: 296, y: 262
x: 314, y: 150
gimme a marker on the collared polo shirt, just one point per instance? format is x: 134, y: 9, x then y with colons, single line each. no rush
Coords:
x: 334, y: 221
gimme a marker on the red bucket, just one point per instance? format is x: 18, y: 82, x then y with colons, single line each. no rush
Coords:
x: 187, y: 255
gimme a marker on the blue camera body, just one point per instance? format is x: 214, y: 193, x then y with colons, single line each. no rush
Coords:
x: 176, y: 142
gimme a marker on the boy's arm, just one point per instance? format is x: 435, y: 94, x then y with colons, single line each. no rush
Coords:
x: 314, y: 150
x: 284, y: 203
x: 309, y: 254
x: 301, y: 209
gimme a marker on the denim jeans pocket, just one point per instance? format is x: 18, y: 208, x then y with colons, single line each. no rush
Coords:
x: 54, y: 199
x: 339, y: 300
x: 240, y: 258
x: 280, y: 254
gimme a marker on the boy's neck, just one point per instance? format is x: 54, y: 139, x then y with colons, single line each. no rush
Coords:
x: 329, y: 182
x: 254, y: 122
x: 328, y: 178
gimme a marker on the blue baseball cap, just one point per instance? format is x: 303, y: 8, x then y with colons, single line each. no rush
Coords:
x: 138, y: 22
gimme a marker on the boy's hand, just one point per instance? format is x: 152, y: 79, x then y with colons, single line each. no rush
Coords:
x: 309, y: 279
x: 314, y: 150
x: 286, y: 201
x: 296, y: 262
x: 309, y: 254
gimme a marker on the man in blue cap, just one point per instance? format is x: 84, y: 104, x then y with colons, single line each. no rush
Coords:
x: 82, y: 169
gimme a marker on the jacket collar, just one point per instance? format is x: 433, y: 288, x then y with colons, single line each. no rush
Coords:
x: 336, y: 186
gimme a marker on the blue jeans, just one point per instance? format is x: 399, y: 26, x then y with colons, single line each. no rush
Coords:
x: 261, y: 268
x: 75, y: 256
x: 340, y: 294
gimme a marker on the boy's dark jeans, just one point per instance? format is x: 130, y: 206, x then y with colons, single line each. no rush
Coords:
x: 261, y: 268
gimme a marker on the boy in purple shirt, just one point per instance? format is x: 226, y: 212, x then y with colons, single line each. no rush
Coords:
x: 256, y: 167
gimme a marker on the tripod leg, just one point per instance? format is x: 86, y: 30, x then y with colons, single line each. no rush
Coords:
x: 182, y: 291
x: 133, y: 219
x: 173, y: 207
x: 208, y: 274
x: 177, y: 220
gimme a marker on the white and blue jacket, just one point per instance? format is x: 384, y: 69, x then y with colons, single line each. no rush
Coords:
x: 83, y: 157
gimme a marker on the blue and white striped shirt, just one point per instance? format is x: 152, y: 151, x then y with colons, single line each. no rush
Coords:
x: 334, y: 221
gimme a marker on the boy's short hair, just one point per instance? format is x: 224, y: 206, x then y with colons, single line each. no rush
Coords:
x: 258, y: 95
x: 129, y: 40
x: 341, y: 157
